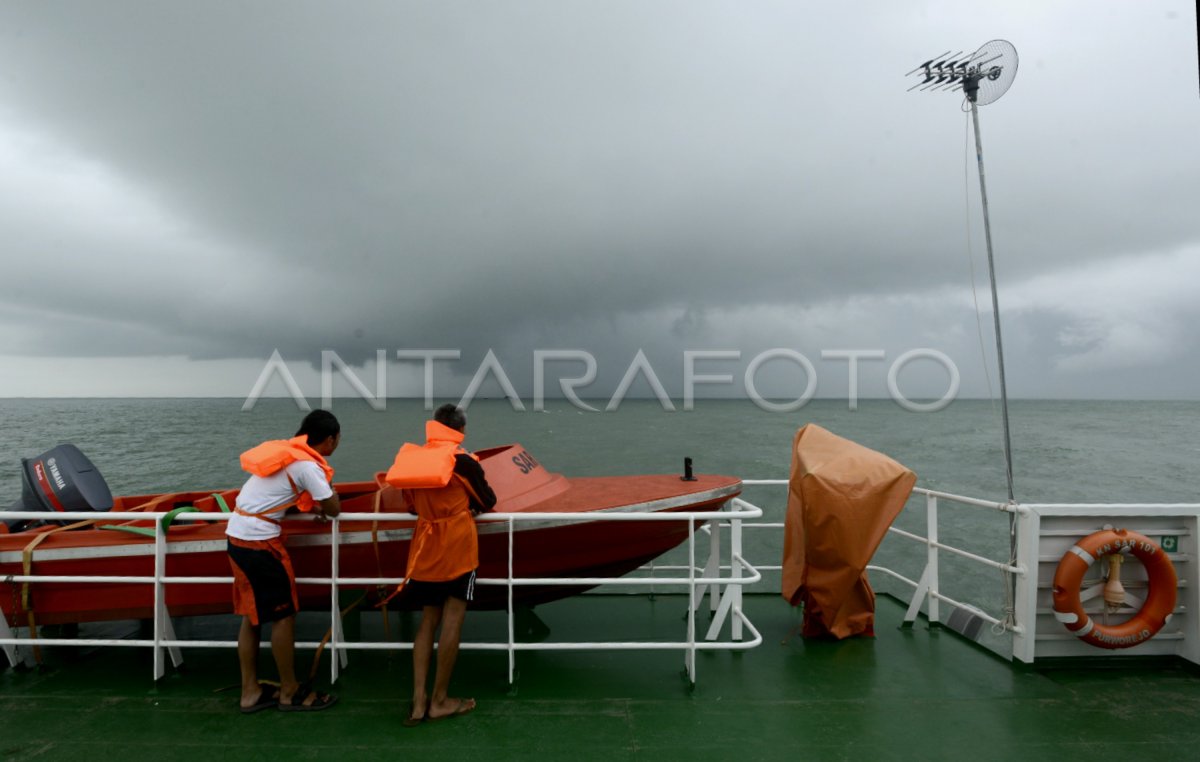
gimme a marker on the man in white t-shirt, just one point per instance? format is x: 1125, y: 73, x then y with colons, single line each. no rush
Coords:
x: 285, y: 474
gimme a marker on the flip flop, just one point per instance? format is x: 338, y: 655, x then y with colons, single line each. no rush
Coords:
x: 265, y: 700
x: 320, y: 701
x: 463, y: 708
x: 412, y: 722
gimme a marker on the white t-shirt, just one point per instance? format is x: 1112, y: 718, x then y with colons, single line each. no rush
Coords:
x: 263, y: 494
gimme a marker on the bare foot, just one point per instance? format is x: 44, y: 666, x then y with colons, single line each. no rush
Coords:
x: 451, y: 707
x: 417, y: 713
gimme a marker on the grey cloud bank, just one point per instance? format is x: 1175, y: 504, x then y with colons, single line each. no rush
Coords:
x: 195, y: 186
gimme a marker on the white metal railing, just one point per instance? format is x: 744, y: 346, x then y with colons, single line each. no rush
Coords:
x: 1020, y: 613
x: 927, y: 587
x: 725, y: 592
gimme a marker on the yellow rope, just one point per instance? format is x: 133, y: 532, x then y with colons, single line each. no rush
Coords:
x: 27, y: 570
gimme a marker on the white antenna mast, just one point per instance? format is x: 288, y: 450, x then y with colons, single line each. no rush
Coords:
x: 983, y: 76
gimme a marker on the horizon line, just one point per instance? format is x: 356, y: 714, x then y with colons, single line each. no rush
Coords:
x: 603, y: 399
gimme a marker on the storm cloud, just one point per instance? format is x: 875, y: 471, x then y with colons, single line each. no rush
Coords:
x: 203, y: 183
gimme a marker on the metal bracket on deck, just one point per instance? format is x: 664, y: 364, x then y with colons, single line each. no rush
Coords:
x: 722, y: 600
x: 339, y: 657
x: 914, y: 606
x: 166, y: 631
x: 16, y: 655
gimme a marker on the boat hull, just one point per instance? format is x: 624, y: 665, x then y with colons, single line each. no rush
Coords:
x: 549, y: 548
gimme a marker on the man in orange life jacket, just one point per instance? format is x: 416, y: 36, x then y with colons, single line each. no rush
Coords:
x: 284, y: 474
x: 444, y: 553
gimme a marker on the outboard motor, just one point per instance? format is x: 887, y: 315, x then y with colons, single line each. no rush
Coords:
x: 61, y: 479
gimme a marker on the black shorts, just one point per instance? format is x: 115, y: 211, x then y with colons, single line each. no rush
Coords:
x: 264, y: 585
x: 436, y: 593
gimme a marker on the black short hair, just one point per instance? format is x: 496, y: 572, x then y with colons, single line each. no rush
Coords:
x: 318, y: 426
x: 452, y: 416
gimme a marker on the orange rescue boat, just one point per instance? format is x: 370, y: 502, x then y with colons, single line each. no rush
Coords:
x: 110, y: 547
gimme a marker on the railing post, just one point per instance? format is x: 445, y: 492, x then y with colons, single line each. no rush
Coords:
x: 735, y: 573
x: 690, y: 659
x: 713, y: 569
x: 335, y: 614
x: 931, y: 559
x: 160, y: 551
x: 512, y: 641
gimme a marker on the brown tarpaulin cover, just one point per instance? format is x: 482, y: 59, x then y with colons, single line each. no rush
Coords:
x: 842, y: 497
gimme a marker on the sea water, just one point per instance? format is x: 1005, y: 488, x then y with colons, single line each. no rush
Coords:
x: 1063, y: 451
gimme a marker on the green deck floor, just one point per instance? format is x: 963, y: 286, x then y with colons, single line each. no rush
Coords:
x: 907, y: 694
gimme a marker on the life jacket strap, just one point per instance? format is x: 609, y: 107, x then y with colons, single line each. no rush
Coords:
x: 467, y: 486
x: 260, y: 516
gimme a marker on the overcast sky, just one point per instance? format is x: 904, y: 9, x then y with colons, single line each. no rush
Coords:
x: 189, y: 187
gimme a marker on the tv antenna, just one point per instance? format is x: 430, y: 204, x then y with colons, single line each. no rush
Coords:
x: 982, y: 76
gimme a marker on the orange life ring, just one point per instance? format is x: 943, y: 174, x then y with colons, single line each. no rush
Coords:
x: 1149, y: 619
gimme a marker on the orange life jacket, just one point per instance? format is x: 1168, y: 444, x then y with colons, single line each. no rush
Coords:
x: 428, y: 465
x: 271, y: 457
x: 445, y: 545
